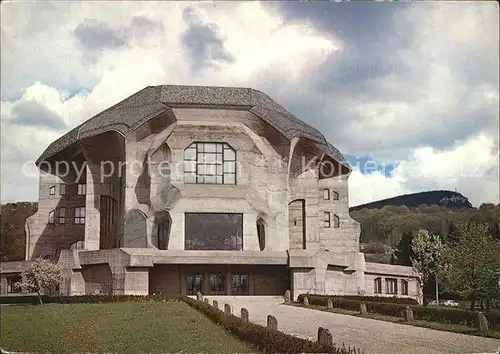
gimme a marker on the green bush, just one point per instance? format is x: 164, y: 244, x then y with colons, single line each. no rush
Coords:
x: 85, y: 299
x: 383, y: 299
x: 267, y: 341
x: 426, y: 313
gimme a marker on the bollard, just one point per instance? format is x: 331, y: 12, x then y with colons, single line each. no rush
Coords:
x: 244, y: 314
x: 272, y: 323
x: 362, y: 309
x: 287, y: 296
x: 227, y: 309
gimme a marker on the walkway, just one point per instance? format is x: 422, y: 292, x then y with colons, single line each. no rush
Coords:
x: 370, y: 335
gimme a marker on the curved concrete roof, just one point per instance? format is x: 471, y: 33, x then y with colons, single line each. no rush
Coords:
x: 127, y: 115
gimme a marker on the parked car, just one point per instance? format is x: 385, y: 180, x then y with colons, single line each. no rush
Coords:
x: 451, y: 303
x: 433, y: 303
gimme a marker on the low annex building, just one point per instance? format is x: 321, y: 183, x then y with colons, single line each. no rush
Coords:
x: 179, y: 189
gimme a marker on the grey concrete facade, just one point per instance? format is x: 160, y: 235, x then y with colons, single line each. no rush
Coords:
x: 132, y: 160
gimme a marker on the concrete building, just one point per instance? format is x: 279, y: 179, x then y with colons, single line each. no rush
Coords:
x: 179, y: 189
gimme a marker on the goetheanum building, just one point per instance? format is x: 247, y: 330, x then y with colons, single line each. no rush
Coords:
x: 179, y: 189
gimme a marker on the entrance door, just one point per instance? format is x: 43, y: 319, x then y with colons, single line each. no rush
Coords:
x: 217, y: 284
x: 239, y: 284
x: 194, y: 283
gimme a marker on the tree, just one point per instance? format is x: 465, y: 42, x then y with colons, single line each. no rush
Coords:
x: 474, y: 263
x: 429, y: 256
x: 404, y: 252
x: 42, y: 275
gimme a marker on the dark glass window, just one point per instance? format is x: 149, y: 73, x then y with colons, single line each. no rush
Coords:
x: 404, y: 287
x: 163, y: 234
x: 217, y: 284
x: 326, y: 219
x: 261, y: 234
x: 377, y: 285
x: 335, y: 196
x: 391, y: 286
x: 12, y: 284
x: 239, y: 284
x: 51, y: 217
x: 62, y: 189
x: 62, y: 215
x: 214, y: 231
x: 80, y: 215
x: 212, y: 163
x: 107, y: 220
x: 336, y: 221
x: 194, y: 283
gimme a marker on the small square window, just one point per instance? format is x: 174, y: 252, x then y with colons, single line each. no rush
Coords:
x: 82, y: 189
x: 52, y: 190
x: 62, y: 189
x: 326, y: 194
x: 335, y: 196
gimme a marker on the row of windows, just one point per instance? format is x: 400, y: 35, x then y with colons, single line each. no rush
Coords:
x: 60, y: 215
x: 391, y: 286
x: 328, y: 220
x: 326, y: 194
x: 81, y: 189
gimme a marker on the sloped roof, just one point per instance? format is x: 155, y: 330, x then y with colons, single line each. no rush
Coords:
x: 151, y: 101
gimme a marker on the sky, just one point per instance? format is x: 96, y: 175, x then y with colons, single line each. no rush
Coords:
x: 409, y: 92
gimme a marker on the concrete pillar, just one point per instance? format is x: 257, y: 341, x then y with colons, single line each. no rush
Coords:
x: 92, y: 200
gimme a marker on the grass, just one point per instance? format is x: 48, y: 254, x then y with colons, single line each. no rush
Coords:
x: 417, y: 323
x: 127, y: 327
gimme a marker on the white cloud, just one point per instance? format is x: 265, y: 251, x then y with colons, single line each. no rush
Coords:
x: 471, y: 167
x: 425, y: 96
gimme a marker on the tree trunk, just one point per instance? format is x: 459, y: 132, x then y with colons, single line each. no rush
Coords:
x: 39, y: 297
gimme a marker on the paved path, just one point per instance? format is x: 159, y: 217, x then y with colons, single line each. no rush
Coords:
x: 370, y: 335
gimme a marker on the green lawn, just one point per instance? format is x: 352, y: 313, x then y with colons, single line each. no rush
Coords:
x: 127, y: 327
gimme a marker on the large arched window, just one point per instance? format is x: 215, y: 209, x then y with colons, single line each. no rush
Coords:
x: 261, y: 234
x: 163, y: 234
x: 210, y: 163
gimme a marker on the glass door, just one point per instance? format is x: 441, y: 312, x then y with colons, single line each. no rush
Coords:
x: 194, y: 284
x: 217, y: 284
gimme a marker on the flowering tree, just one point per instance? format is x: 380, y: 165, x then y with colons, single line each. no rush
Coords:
x: 428, y: 258
x: 42, y: 275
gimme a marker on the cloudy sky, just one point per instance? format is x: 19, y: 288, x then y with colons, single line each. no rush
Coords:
x: 409, y: 92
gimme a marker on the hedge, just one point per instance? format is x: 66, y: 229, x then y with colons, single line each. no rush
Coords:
x: 265, y: 340
x: 384, y: 299
x: 85, y: 299
x: 426, y: 313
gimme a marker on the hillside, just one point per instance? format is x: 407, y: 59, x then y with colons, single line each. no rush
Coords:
x: 448, y: 199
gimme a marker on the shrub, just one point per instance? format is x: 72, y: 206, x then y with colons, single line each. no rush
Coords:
x: 268, y: 341
x: 383, y: 299
x: 85, y: 299
x: 426, y: 313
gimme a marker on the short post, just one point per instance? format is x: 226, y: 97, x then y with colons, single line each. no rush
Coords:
x: 215, y: 304
x: 244, y: 314
x: 409, y: 314
x: 329, y: 304
x: 206, y: 300
x: 482, y: 323
x: 287, y: 296
x: 199, y: 297
x: 362, y: 309
x: 272, y: 323
x: 306, y: 301
x: 325, y: 337
x: 227, y: 309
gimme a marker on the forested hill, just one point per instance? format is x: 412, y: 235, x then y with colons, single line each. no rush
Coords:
x: 448, y: 199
